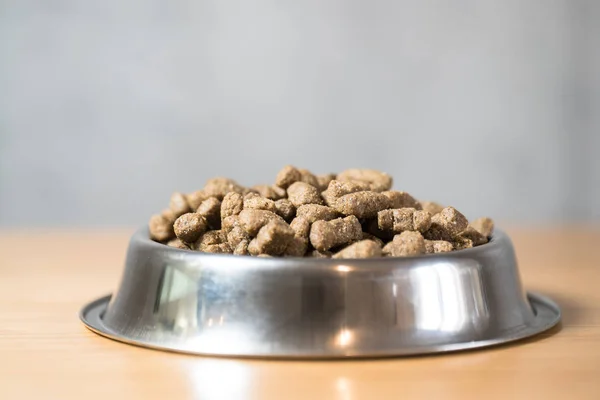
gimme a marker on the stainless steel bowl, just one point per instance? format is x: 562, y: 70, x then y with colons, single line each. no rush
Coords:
x: 228, y: 305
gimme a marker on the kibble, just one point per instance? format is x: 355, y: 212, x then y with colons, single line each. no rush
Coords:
x: 300, y: 193
x: 377, y: 180
x: 189, y: 227
x: 362, y: 249
x: 325, y: 235
x: 354, y: 214
x: 210, y: 209
x: 361, y: 204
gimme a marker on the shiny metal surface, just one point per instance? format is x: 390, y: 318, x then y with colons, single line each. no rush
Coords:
x: 294, y: 307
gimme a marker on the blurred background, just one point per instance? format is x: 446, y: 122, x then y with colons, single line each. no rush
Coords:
x: 107, y: 107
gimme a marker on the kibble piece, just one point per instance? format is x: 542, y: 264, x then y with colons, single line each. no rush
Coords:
x: 219, y: 187
x: 474, y: 235
x: 315, y: 212
x: 242, y: 248
x: 221, y: 248
x: 337, y: 189
x: 228, y: 223
x: 285, y: 209
x: 405, y: 244
x: 368, y: 236
x: 189, y: 227
x: 362, y: 204
x: 178, y: 204
x: 274, y: 238
x: 270, y: 192
x: 437, y: 246
x: 301, y: 226
x: 307, y: 177
x: 300, y: 193
x: 169, y: 215
x: 297, y: 247
x: 461, y: 243
x: 396, y: 221
x: 377, y: 180
x: 323, y: 181
x: 401, y: 200
x: 211, y: 237
x: 484, y: 225
x: 287, y: 176
x: 325, y: 235
x: 232, y: 204
x: 451, y: 220
x: 211, y: 210
x: 196, y: 198
x: 253, y: 247
x: 421, y: 220
x: 178, y: 244
x: 161, y: 228
x: 432, y: 207
x: 320, y: 254
x: 256, y: 202
x: 252, y: 220
x: 236, y: 236
x: 362, y: 249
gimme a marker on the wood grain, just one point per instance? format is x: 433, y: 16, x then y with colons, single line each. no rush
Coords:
x: 45, y: 352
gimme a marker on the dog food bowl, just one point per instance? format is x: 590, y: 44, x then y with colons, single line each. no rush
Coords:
x: 226, y: 305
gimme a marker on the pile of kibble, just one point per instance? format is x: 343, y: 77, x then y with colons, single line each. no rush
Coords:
x: 353, y: 214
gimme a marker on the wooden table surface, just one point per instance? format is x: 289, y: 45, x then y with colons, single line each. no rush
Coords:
x: 46, y: 353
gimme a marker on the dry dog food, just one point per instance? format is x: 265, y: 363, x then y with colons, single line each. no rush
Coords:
x: 353, y: 214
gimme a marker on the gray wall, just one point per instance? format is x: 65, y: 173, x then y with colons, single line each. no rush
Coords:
x: 106, y: 107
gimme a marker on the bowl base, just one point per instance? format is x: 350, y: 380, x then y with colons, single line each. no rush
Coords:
x: 547, y: 315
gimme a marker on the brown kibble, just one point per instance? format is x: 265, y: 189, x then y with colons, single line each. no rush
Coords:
x: 461, y: 243
x: 237, y: 235
x: 405, y: 244
x: 297, y: 247
x: 432, y: 207
x: 256, y: 202
x: 232, y: 204
x: 315, y: 212
x: 437, y: 246
x: 210, y: 209
x: 361, y: 204
x: 474, y: 235
x: 161, y: 228
x: 228, y: 223
x: 242, y: 248
x: 484, y: 225
x: 169, y: 215
x: 219, y: 187
x: 396, y: 221
x: 378, y: 181
x: 401, y: 200
x: 307, y: 177
x: 211, y: 237
x: 285, y: 209
x: 189, y: 227
x: 301, y: 226
x: 451, y: 220
x: 323, y: 181
x: 270, y: 192
x: 253, y: 248
x: 287, y: 176
x: 252, y: 220
x: 274, y: 238
x: 178, y: 244
x: 300, y: 193
x: 337, y: 189
x: 178, y: 204
x: 221, y: 248
x: 421, y: 220
x: 362, y: 249
x: 325, y: 235
x: 196, y: 198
